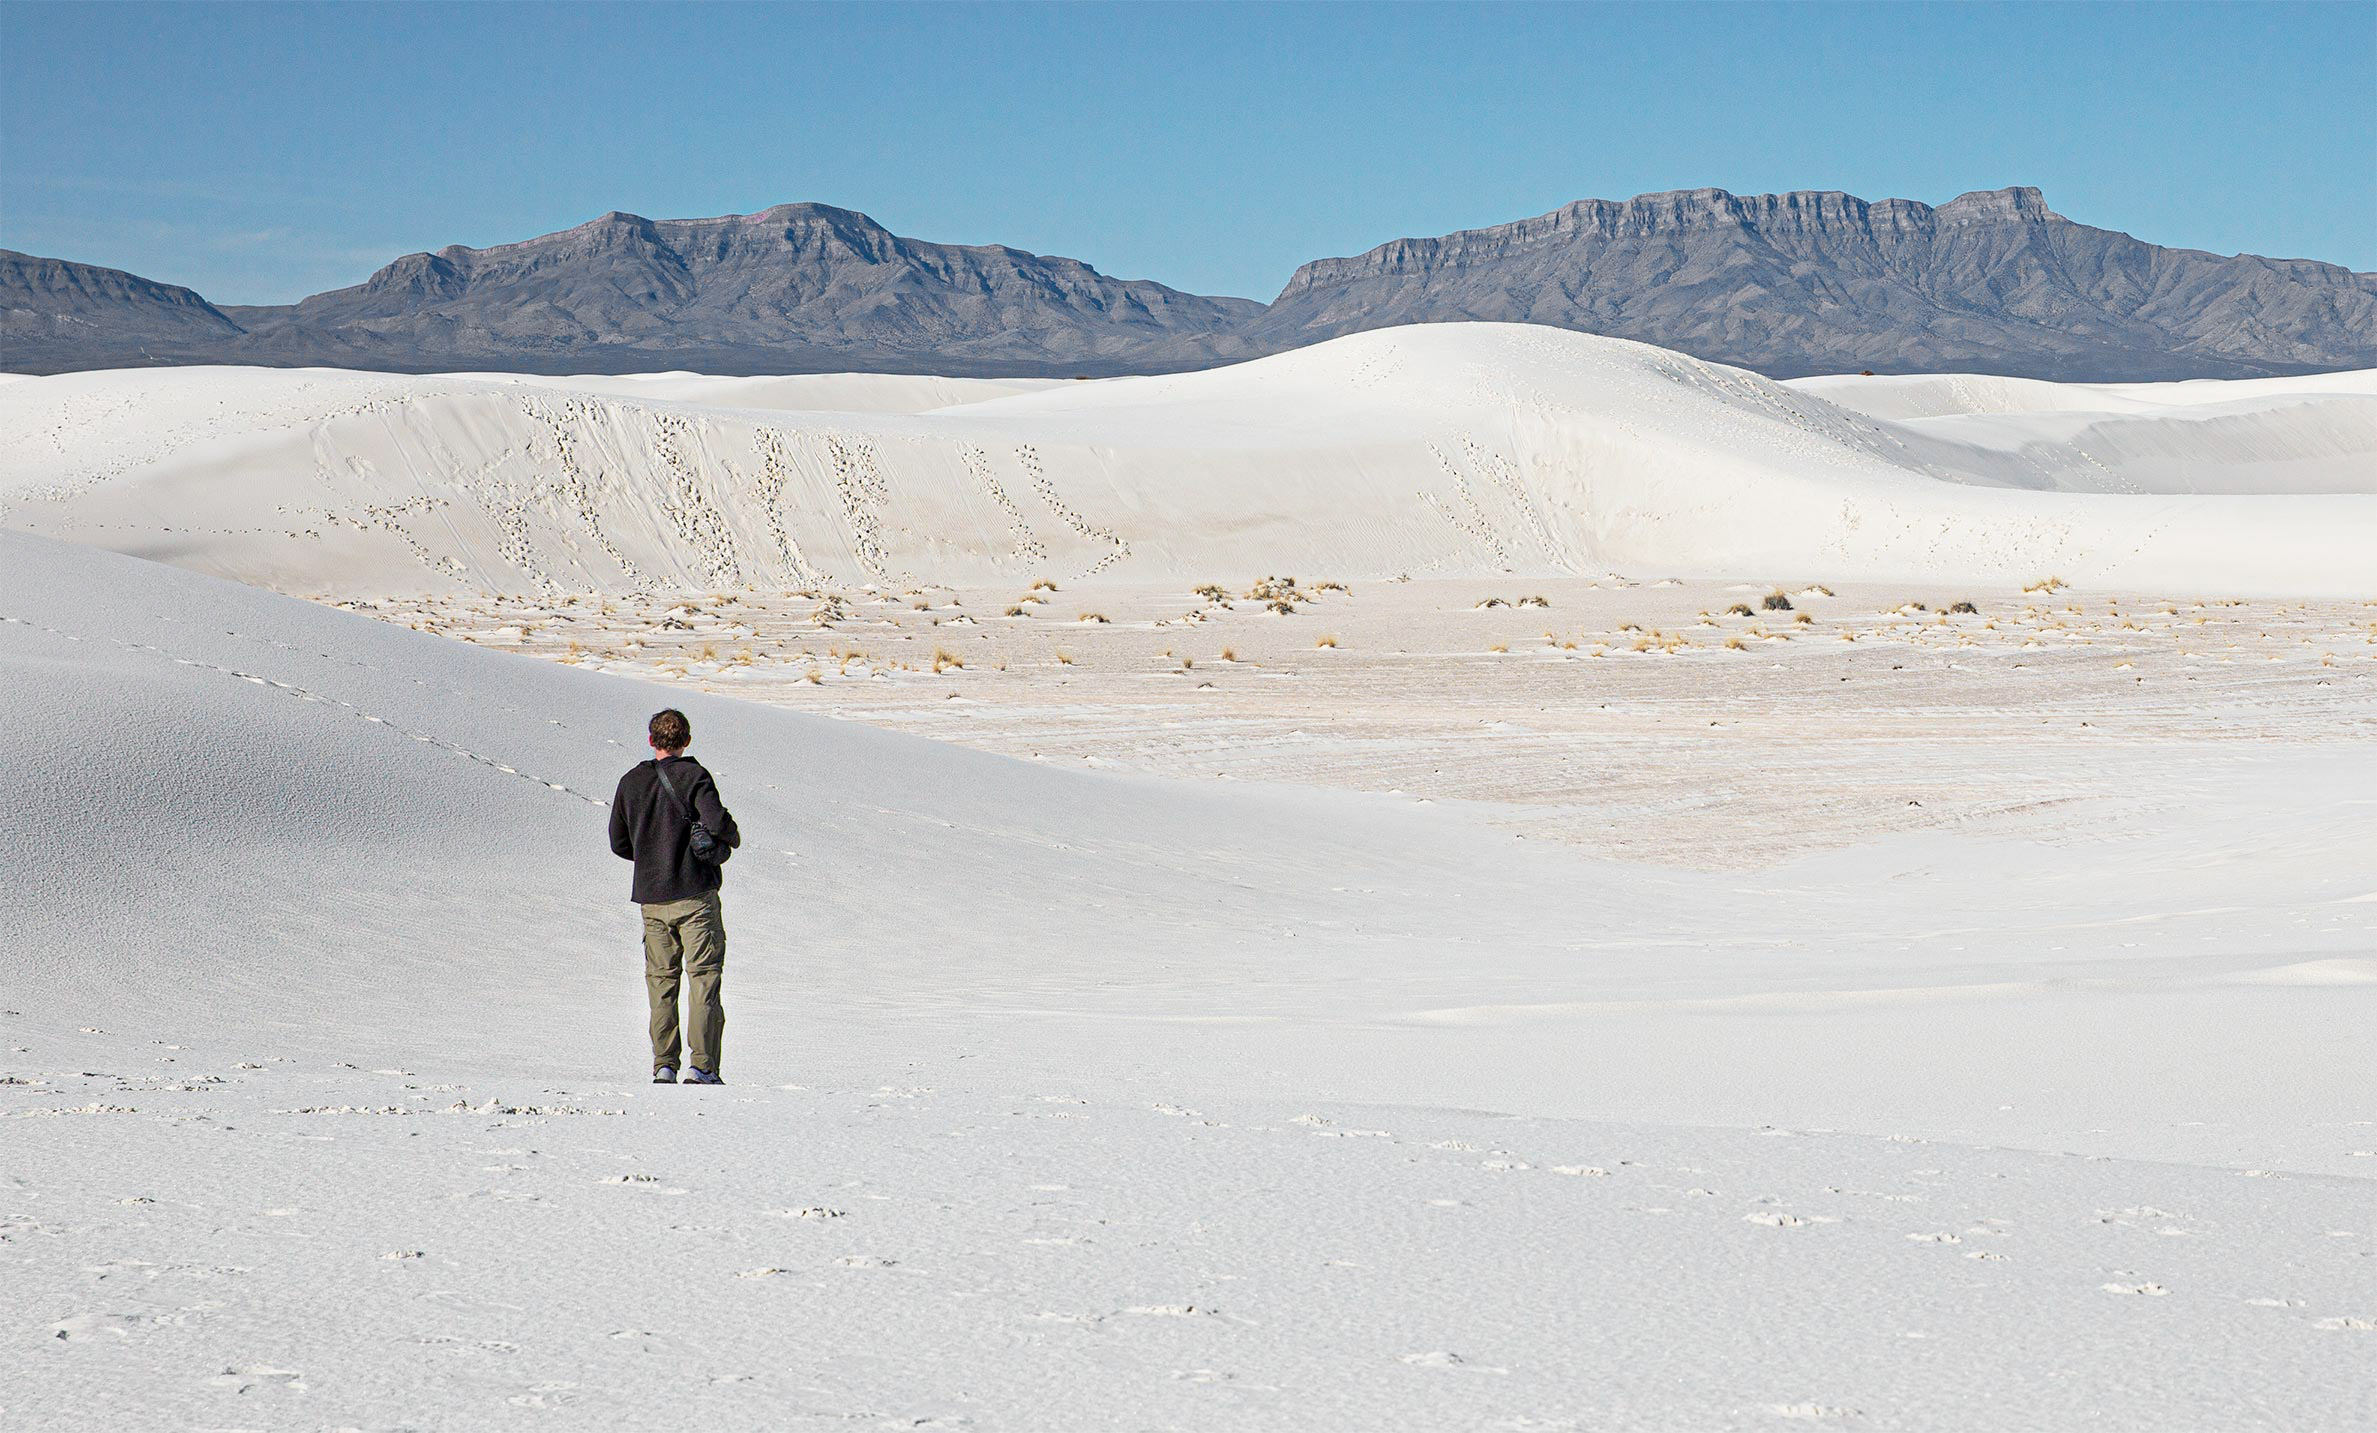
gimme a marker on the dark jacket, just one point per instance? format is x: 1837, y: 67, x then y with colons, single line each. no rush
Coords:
x: 652, y: 829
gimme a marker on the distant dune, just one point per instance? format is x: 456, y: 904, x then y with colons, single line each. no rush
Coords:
x: 1442, y: 449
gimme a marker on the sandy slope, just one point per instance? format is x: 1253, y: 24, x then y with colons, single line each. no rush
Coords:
x: 1068, y: 1093
x: 1464, y: 449
x: 2312, y: 434
x: 1135, y: 1102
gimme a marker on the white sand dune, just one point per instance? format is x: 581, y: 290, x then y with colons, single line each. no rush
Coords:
x: 1463, y: 449
x: 2262, y: 436
x: 323, y: 1022
x: 1069, y: 1098
x: 796, y: 393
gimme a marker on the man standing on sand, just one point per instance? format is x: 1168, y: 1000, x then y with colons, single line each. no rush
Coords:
x: 667, y: 818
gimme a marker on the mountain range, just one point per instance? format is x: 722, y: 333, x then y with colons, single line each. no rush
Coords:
x: 1787, y: 284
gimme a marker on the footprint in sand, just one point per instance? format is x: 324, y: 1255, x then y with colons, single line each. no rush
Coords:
x: 1440, y: 1358
x: 243, y: 1380
x: 545, y: 1395
x: 82, y: 1327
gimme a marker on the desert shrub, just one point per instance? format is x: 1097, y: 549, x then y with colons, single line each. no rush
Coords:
x: 1487, y: 602
x: 1535, y: 602
x: 2045, y: 584
x: 1282, y: 606
x: 1212, y: 592
x: 1804, y: 619
x: 1098, y: 617
x: 1043, y: 585
x: 1016, y: 611
x: 1963, y: 609
x: 1777, y: 601
x: 1738, y: 609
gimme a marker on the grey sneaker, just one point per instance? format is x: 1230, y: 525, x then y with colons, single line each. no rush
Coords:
x: 702, y: 1077
x: 665, y: 1075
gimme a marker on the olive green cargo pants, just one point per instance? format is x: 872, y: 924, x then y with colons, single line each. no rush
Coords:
x: 686, y: 938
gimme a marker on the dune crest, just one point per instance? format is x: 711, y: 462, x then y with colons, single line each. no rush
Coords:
x: 1437, y: 450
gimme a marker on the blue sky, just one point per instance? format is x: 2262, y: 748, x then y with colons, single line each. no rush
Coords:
x: 262, y: 152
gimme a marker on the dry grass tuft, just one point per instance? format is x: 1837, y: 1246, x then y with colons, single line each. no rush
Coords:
x: 1212, y: 592
x: 943, y: 659
x: 2046, y: 584
x: 1776, y: 601
x: 1229, y: 654
x: 1016, y: 611
x: 1804, y: 619
x: 1327, y: 640
x: 1043, y: 585
x: 1064, y: 659
x: 1096, y: 617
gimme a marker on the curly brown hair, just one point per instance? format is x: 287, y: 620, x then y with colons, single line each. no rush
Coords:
x: 670, y: 731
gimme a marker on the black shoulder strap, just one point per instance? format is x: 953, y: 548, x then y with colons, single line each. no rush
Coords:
x: 661, y: 770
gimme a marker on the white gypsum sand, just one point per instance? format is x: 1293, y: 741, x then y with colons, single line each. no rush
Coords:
x: 1903, y: 1018
x: 1444, y: 450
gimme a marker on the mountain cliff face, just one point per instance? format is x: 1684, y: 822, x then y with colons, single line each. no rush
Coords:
x: 804, y: 278
x: 1788, y: 284
x: 56, y: 306
x: 1791, y: 284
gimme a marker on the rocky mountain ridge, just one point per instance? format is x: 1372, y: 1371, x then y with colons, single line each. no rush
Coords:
x: 1789, y: 284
